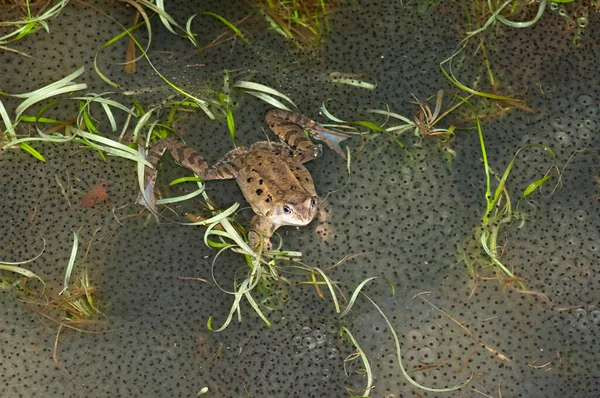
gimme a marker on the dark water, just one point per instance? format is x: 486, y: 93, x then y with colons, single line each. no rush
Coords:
x: 410, y: 216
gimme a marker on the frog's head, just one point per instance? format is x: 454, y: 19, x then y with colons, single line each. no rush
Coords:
x: 296, y: 214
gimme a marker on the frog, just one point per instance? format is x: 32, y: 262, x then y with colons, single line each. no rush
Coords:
x: 271, y: 175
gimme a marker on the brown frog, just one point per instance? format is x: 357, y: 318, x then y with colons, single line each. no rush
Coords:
x: 271, y: 175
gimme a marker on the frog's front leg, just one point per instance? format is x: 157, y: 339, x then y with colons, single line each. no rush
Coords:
x: 260, y: 232
x: 288, y: 126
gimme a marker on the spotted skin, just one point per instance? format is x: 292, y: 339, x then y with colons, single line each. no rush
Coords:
x: 271, y: 176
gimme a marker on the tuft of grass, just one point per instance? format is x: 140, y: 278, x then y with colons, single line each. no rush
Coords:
x: 15, y: 267
x: 76, y: 299
x: 493, y: 14
x: 499, y: 209
x: 29, y: 24
x: 62, y: 86
x: 230, y: 25
x: 302, y: 21
x: 226, y: 104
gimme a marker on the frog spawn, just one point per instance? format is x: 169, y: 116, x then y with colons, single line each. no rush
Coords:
x: 405, y: 219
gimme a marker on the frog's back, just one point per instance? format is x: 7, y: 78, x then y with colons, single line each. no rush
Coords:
x: 271, y: 175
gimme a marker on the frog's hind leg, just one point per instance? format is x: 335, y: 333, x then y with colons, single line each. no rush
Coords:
x: 189, y: 158
x: 287, y: 126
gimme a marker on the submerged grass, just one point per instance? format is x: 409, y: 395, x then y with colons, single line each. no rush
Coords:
x: 422, y: 125
x: 492, y: 13
x: 15, y: 267
x: 302, y: 21
x: 29, y: 24
x: 499, y: 210
x: 263, y: 267
x: 333, y: 286
x: 76, y: 299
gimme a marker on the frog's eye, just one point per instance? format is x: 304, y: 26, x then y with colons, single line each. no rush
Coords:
x: 287, y: 209
x: 313, y: 202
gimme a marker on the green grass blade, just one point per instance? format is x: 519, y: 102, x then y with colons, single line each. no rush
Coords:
x: 234, y: 307
x: 71, y: 262
x: 269, y: 100
x: 111, y: 117
x: 364, y: 359
x: 336, y: 77
x: 30, y: 150
x: 401, y: 364
x: 20, y: 270
x: 231, y: 26
x: 257, y: 309
x: 181, y: 198
x: 42, y: 95
x: 161, y: 6
x: 140, y: 124
x: 540, y: 12
x: 355, y: 294
x: 219, y: 217
x: 185, y: 179
x: 488, y: 189
x: 371, y: 126
x: 37, y: 119
x: 330, y: 287
x: 328, y: 114
x: 391, y: 114
x: 30, y: 260
x: 64, y: 82
x: 8, y: 125
x: 246, y: 85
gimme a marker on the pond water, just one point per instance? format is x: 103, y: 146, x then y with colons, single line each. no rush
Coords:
x: 408, y: 207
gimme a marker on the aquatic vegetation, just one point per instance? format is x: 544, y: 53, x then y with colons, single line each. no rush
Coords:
x: 15, y: 267
x: 576, y: 15
x: 499, y: 209
x: 76, y: 302
x: 73, y: 307
x: 76, y: 299
x: 30, y: 23
x: 422, y: 125
x: 230, y: 25
x: 493, y: 14
x: 333, y: 286
x: 302, y: 21
x: 263, y: 269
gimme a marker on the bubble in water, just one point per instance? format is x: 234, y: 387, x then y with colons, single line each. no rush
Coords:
x: 309, y: 342
x: 426, y: 355
x: 559, y: 122
x: 591, y: 111
x: 595, y: 317
x: 331, y: 352
x: 584, y: 133
x: 585, y: 100
x: 563, y: 137
x: 581, y: 215
x: 414, y: 337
